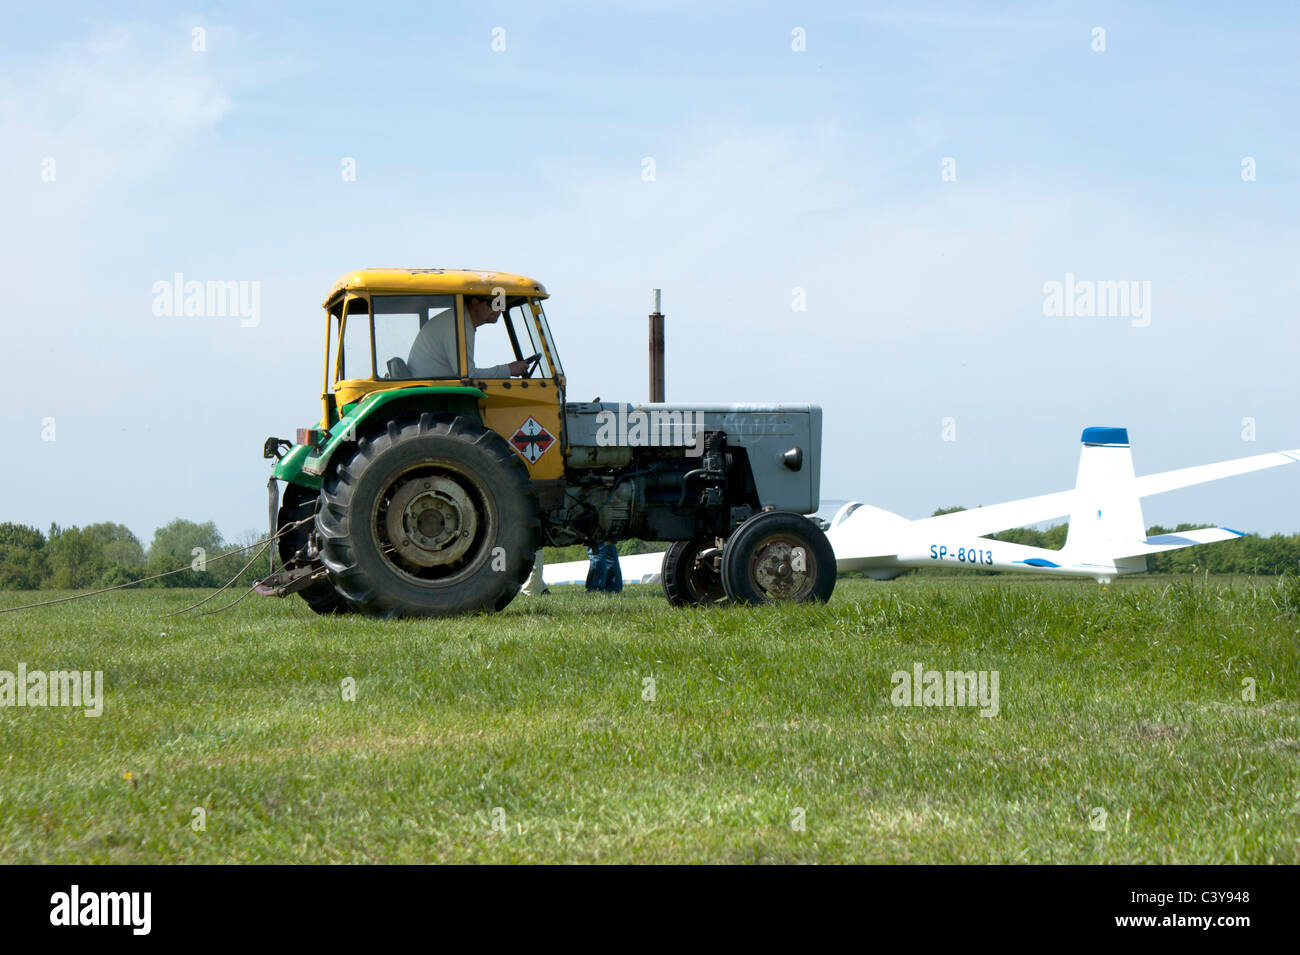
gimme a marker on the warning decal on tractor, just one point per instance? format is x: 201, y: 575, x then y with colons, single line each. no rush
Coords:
x: 532, y: 440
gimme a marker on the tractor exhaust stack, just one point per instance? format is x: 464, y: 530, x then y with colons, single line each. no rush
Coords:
x: 656, y: 352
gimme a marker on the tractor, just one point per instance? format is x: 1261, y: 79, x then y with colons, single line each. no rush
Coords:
x: 430, y: 481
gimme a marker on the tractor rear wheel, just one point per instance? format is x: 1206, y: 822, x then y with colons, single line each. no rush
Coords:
x: 299, y: 504
x: 778, y: 555
x: 431, y: 517
x: 687, y: 580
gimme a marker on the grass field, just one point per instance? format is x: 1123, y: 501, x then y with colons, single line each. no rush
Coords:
x: 771, y: 736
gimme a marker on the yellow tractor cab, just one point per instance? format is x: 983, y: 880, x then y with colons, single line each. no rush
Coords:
x: 399, y: 329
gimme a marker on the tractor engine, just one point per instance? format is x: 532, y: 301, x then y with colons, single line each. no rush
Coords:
x: 675, y: 472
x: 659, y: 494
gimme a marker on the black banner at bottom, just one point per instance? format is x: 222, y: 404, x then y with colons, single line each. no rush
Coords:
x: 1225, y: 905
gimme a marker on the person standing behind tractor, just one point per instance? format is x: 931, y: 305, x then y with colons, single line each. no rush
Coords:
x: 434, y: 351
x: 603, y: 571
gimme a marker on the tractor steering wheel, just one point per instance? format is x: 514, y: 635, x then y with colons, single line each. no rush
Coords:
x: 533, y: 362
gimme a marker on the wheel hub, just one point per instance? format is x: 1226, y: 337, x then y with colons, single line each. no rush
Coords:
x: 431, y: 521
x: 774, y: 570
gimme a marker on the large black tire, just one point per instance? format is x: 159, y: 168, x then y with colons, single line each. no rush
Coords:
x: 777, y: 555
x: 687, y: 583
x: 299, y: 504
x: 434, y: 517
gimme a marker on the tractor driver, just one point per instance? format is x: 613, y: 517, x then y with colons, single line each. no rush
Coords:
x: 433, y: 353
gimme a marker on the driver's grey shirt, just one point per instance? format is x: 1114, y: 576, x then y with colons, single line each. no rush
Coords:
x: 433, y: 353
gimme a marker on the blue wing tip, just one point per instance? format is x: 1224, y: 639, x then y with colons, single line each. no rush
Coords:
x: 1113, y: 436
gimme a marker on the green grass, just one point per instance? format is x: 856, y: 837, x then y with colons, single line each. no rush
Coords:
x: 1127, y: 699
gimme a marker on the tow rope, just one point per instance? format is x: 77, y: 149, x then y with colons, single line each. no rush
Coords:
x: 263, y: 544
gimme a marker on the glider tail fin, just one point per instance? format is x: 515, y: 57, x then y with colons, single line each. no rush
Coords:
x: 1107, y: 507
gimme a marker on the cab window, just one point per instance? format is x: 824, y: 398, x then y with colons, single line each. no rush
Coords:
x: 415, y: 337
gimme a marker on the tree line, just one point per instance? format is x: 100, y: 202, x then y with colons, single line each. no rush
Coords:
x: 107, y: 554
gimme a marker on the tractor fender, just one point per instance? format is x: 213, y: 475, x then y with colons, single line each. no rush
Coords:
x: 306, y: 464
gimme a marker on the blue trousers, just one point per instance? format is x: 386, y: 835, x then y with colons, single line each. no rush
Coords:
x: 603, y: 572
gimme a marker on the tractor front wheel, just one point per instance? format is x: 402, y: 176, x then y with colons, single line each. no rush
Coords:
x: 778, y: 555
x: 431, y: 517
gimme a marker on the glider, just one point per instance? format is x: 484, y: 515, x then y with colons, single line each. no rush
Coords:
x: 1106, y: 538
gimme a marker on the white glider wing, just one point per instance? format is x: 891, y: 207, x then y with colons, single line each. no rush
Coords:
x: 980, y: 521
x: 1202, y: 473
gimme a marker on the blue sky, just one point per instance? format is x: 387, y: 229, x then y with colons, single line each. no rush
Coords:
x: 775, y: 170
